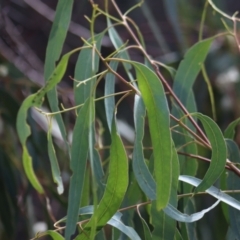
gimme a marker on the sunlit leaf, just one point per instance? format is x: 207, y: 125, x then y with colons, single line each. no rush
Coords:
x: 159, y: 123
x: 116, y: 186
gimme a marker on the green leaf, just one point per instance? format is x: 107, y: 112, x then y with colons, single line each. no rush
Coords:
x: 54, y: 164
x: 54, y: 48
x: 230, y: 130
x: 86, y: 67
x: 116, y: 186
x: 219, y: 152
x: 118, y: 43
x: 24, y: 132
x: 164, y: 225
x: 163, y: 228
x: 159, y: 123
x: 79, y: 153
x: 109, y: 88
x: 189, y: 68
x: 140, y: 169
x: 54, y: 235
x: 35, y: 100
x: 233, y: 184
x: 146, y: 230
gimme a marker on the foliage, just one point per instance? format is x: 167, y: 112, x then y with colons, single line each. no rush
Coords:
x: 114, y: 184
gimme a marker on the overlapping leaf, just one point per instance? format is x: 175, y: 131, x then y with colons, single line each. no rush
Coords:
x: 109, y: 88
x: 79, y: 153
x: 158, y: 116
x: 116, y: 186
x: 54, y: 48
x: 141, y: 172
x: 35, y: 100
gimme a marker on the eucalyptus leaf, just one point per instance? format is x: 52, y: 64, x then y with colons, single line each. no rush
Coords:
x: 116, y: 186
x: 159, y: 123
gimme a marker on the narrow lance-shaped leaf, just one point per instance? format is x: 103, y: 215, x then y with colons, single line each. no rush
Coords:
x: 118, y: 43
x: 117, y: 182
x: 164, y: 225
x: 143, y: 176
x: 109, y: 88
x: 54, y: 164
x: 159, y: 123
x: 230, y: 130
x: 116, y: 186
x: 35, y: 100
x: 189, y: 68
x: 87, y: 66
x: 184, y: 79
x: 54, y: 48
x: 219, y: 152
x: 79, y: 153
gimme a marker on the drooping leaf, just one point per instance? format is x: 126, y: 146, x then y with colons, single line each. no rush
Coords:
x: 146, y: 230
x: 189, y: 68
x: 158, y: 116
x: 79, y: 153
x: 219, y: 152
x: 109, y: 88
x: 54, y: 164
x: 54, y: 48
x: 86, y: 67
x: 118, y: 43
x: 164, y: 225
x: 230, y: 130
x: 24, y: 132
x: 35, y: 100
x: 116, y: 186
x: 141, y: 171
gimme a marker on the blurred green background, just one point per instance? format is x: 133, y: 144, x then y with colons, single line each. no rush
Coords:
x: 169, y: 28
